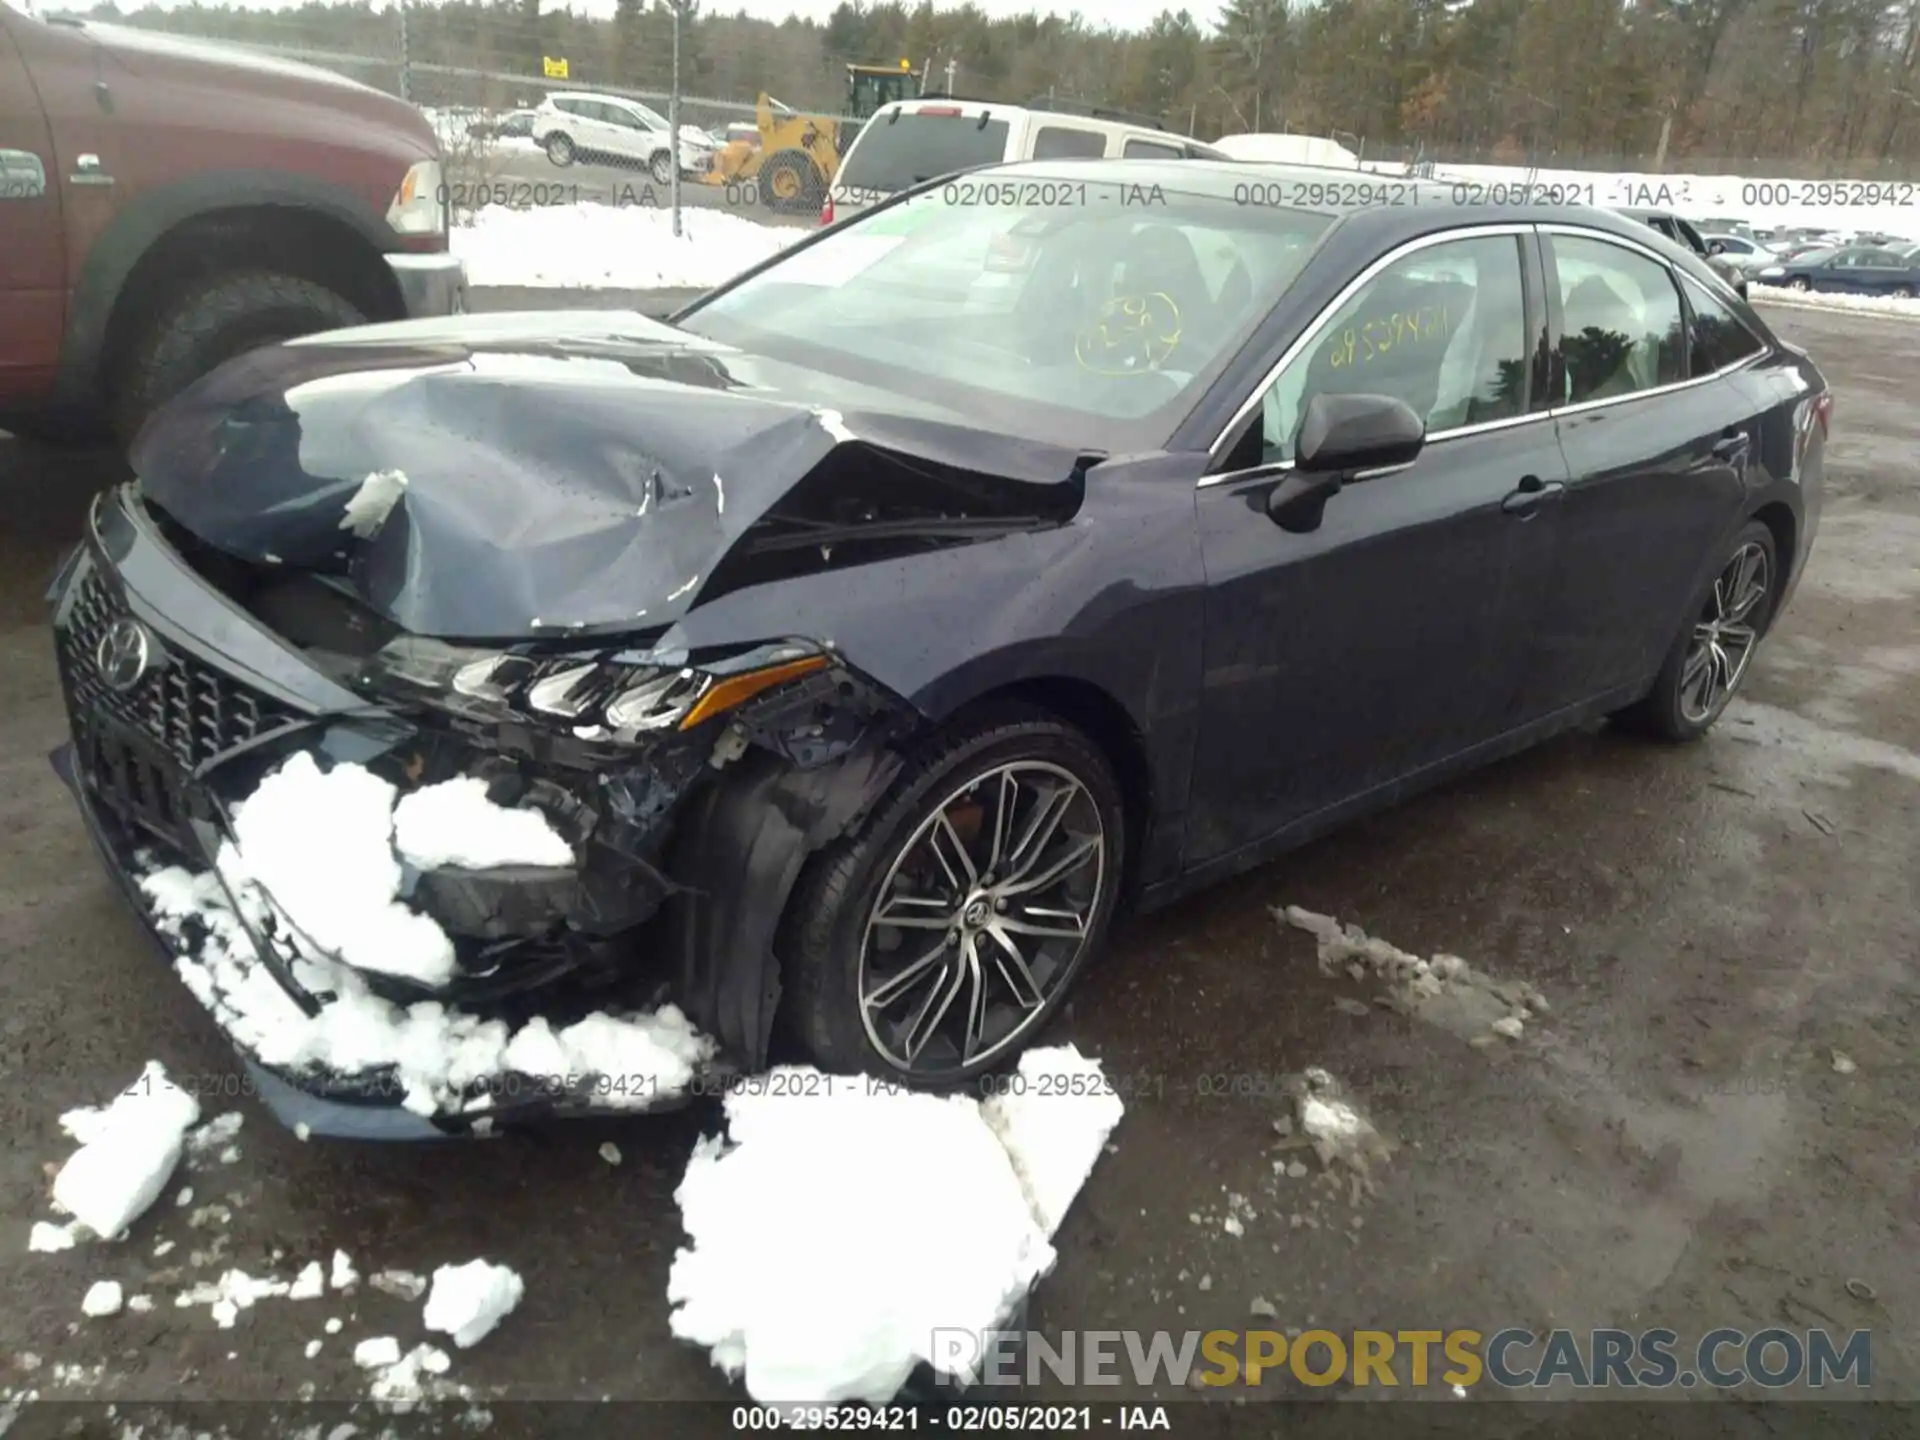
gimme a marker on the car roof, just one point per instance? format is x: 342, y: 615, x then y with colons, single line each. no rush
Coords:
x: 972, y: 107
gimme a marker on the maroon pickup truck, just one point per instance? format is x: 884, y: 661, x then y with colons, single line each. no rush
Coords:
x: 166, y: 205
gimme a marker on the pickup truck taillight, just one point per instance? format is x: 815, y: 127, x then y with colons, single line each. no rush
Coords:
x: 826, y: 211
x: 420, y: 204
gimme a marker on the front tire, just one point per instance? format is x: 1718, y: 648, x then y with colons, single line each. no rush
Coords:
x: 660, y: 167
x: 560, y: 149
x: 938, y: 940
x: 1800, y: 283
x: 224, y: 317
x: 789, y: 183
x: 1714, y: 650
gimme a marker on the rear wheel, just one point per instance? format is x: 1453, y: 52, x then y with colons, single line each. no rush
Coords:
x: 222, y: 318
x: 1902, y: 292
x: 1800, y: 282
x: 1713, y: 653
x: 789, y: 182
x: 936, y: 942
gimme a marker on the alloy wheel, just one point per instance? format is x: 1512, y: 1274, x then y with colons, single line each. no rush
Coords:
x: 560, y: 149
x: 981, y: 917
x: 1725, y: 634
x: 661, y: 168
x: 1800, y: 282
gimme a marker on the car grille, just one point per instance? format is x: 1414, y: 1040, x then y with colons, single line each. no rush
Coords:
x: 136, y: 746
x: 189, y: 709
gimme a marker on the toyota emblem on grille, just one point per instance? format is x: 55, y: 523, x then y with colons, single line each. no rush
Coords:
x: 125, y: 653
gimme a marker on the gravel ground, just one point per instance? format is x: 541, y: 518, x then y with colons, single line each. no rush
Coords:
x: 1671, y: 1145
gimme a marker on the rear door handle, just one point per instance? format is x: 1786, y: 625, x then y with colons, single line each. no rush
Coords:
x: 1532, y: 494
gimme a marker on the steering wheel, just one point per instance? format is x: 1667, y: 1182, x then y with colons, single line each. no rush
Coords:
x: 1132, y: 335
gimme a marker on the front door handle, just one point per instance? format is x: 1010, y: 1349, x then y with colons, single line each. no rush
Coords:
x: 1732, y: 446
x: 1532, y: 494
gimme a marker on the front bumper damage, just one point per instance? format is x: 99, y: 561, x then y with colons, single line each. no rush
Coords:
x: 686, y: 852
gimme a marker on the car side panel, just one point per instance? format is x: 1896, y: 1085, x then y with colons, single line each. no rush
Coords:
x: 1113, y: 601
x: 33, y: 283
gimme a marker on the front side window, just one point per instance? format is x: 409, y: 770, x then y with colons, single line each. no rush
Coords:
x: 1443, y: 329
x: 1716, y: 339
x: 1620, y: 325
x: 1049, y: 307
x: 1152, y: 150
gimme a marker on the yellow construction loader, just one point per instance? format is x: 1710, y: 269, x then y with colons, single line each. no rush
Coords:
x: 791, y: 158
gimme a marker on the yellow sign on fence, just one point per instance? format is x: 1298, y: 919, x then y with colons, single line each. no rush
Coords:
x: 555, y: 69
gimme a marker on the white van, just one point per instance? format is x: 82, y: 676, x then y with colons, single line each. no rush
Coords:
x: 914, y: 140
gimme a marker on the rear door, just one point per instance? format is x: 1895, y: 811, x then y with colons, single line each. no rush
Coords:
x: 1656, y: 454
x: 33, y: 286
x: 1393, y: 636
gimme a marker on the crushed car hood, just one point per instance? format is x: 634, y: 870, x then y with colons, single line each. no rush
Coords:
x: 514, y: 476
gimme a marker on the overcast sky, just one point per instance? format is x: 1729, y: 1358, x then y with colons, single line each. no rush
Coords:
x: 1122, y: 14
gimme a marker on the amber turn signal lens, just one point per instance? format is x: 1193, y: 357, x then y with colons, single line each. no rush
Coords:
x: 725, y: 694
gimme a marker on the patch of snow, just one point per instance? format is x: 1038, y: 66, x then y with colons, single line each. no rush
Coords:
x: 1780, y: 295
x: 368, y: 507
x: 103, y: 1297
x: 163, y: 1249
x: 1509, y: 1026
x: 343, y: 1272
x: 454, y: 824
x: 313, y: 1348
x: 184, y: 1198
x: 216, y: 1134
x: 127, y: 1153
x: 610, y: 1152
x: 382, y: 1350
x: 1843, y: 1063
x: 469, y: 1300
x: 439, y: 1055
x: 411, y: 1377
x: 1053, y: 1125
x: 48, y: 1237
x: 309, y: 1284
x: 140, y: 1304
x: 233, y: 1292
x: 623, y: 247
x: 401, y: 1284
x: 810, y: 1270
x: 334, y: 1325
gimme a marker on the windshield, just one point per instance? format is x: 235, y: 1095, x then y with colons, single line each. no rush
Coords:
x: 897, y: 151
x: 1081, y: 317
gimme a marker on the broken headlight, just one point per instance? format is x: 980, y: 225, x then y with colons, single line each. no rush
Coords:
x: 597, y: 696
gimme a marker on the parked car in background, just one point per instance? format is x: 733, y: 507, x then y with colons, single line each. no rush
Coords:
x: 1683, y: 233
x: 615, y: 129
x: 514, y: 125
x: 1744, y: 254
x: 1718, y: 225
x: 949, y: 639
x: 910, y: 141
x: 1854, y: 270
x: 167, y: 204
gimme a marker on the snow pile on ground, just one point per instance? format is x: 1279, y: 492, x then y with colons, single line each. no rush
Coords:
x: 1334, y: 1125
x: 1814, y: 299
x: 831, y: 1238
x: 322, y: 846
x: 614, y: 247
x: 233, y: 1292
x: 128, y: 1150
x: 454, y: 824
x: 1444, y: 991
x: 1052, y: 1122
x: 469, y: 1300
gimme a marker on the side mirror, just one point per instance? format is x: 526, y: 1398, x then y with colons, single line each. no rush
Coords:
x: 1339, y: 439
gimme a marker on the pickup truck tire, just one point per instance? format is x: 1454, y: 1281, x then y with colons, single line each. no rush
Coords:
x: 224, y: 317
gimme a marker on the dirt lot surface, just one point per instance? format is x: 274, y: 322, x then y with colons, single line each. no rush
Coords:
x: 1712, y: 1126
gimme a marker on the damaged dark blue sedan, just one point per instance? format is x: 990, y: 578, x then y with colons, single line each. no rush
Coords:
x: 1050, y: 539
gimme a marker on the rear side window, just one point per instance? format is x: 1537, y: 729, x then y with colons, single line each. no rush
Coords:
x: 1152, y: 150
x: 1620, y: 327
x: 567, y: 107
x: 1063, y: 142
x: 894, y: 154
x: 1716, y: 339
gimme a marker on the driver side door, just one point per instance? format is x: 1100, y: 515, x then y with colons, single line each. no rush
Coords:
x: 1342, y: 662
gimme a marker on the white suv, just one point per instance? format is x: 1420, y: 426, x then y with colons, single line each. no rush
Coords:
x: 914, y: 140
x: 571, y: 125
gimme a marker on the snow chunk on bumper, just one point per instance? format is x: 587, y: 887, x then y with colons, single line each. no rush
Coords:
x: 320, y: 844
x: 454, y: 824
x: 841, y: 1230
